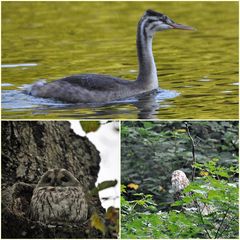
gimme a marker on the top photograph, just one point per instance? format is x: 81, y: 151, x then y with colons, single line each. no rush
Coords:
x: 120, y: 60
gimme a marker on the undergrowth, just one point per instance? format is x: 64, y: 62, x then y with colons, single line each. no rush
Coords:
x: 208, y: 208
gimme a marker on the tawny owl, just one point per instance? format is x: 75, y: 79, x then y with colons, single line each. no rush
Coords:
x: 59, y: 198
x: 179, y: 181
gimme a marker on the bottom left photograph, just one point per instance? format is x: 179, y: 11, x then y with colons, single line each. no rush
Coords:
x: 60, y: 179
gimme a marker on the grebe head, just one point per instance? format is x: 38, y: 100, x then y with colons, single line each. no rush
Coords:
x: 160, y: 22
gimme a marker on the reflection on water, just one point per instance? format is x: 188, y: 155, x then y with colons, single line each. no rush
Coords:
x: 18, y: 65
x: 41, y: 41
x: 145, y: 105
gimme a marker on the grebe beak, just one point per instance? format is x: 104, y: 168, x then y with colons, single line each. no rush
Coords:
x: 180, y: 26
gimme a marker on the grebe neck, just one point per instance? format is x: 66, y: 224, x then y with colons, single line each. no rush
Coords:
x: 147, y: 74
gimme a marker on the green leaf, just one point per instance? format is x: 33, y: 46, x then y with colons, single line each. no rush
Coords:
x: 90, y: 126
x: 177, y: 203
x: 103, y: 185
x: 123, y: 188
x: 98, y: 223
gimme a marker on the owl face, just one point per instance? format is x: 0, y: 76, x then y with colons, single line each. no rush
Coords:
x: 177, y: 173
x: 58, y: 178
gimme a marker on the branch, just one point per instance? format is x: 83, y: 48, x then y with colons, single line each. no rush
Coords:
x: 202, y: 220
x: 227, y: 225
x: 235, y: 146
x: 222, y: 222
x: 193, y: 150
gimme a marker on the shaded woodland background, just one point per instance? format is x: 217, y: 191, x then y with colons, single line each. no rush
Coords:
x: 30, y: 148
x: 151, y: 151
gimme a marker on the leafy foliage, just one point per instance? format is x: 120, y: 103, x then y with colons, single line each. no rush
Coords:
x: 107, y: 225
x: 151, y: 151
x: 208, y: 209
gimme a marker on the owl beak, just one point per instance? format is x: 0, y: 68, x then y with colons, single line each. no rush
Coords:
x: 54, y: 183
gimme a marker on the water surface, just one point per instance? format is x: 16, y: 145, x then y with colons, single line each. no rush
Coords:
x: 49, y: 40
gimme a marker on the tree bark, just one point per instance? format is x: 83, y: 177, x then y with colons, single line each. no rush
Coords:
x: 30, y: 148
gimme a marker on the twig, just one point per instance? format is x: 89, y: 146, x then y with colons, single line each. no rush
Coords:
x: 201, y: 217
x: 222, y: 222
x: 193, y: 150
x: 235, y: 146
x: 227, y: 225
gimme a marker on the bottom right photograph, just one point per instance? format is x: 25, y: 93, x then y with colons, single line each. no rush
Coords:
x: 179, y: 179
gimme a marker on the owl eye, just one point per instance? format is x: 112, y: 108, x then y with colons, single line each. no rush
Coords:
x: 48, y: 180
x: 64, y: 179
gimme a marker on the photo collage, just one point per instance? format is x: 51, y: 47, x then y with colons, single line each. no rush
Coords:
x: 120, y: 119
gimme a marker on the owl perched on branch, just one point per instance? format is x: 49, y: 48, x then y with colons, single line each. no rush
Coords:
x: 58, y: 198
x: 179, y: 182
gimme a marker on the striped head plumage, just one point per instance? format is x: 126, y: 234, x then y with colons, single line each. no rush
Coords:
x: 153, y: 21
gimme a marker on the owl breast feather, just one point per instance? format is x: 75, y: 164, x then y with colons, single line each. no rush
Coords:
x: 58, y: 205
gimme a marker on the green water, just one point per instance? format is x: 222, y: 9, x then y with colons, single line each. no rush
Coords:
x: 50, y: 40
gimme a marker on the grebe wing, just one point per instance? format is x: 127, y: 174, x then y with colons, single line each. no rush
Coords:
x: 95, y: 81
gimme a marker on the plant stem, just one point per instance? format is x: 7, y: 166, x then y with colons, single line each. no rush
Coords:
x: 193, y: 150
x: 202, y: 220
x: 222, y: 222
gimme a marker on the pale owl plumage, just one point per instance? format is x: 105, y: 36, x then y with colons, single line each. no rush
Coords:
x: 179, y: 181
x: 59, y: 198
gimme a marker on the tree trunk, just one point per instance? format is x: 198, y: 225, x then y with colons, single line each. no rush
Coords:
x: 30, y: 148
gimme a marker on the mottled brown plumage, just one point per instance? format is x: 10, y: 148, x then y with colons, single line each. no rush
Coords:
x: 179, y: 182
x: 59, y: 198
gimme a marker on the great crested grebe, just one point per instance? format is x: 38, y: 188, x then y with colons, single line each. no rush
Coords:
x: 96, y: 88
